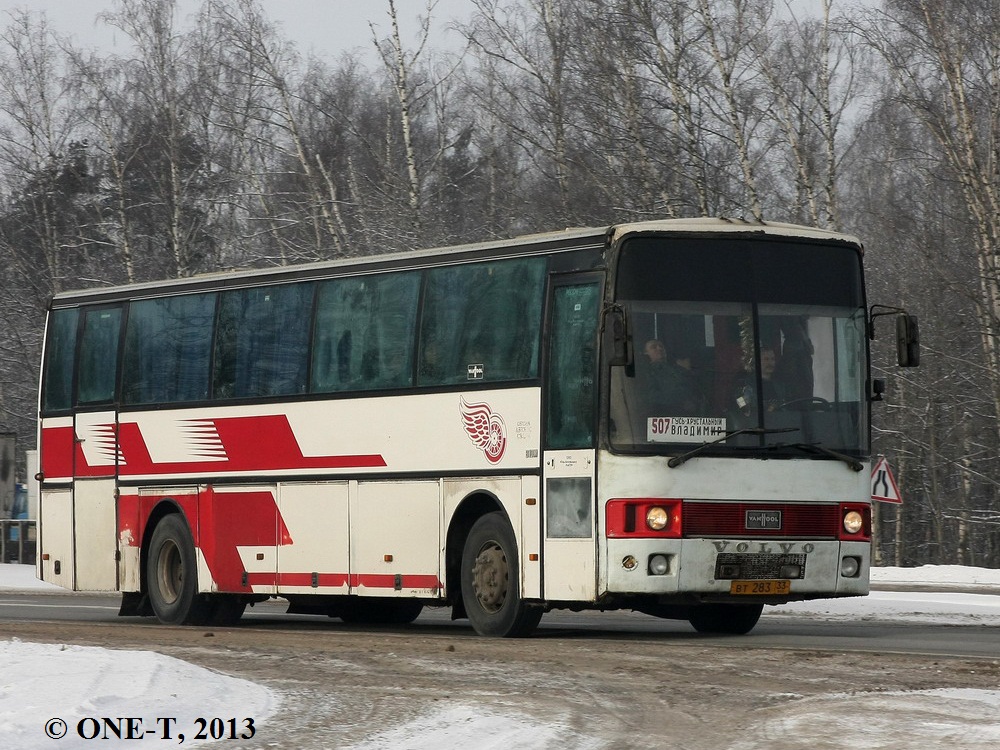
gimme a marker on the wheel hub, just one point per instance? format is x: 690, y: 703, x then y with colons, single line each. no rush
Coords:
x: 170, y: 573
x: 490, y: 577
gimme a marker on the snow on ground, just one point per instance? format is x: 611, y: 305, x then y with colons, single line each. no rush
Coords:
x: 49, y: 691
x: 40, y: 682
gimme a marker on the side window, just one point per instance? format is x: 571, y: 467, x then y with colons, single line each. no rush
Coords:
x: 168, y: 349
x: 572, y: 367
x: 60, y: 356
x: 262, y: 344
x: 482, y: 322
x: 364, y: 333
x: 98, y: 361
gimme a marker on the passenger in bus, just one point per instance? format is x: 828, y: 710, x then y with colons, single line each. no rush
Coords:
x: 773, y: 391
x: 671, y: 385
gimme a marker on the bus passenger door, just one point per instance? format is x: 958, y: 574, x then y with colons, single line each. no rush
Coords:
x: 568, y: 461
x: 97, y: 455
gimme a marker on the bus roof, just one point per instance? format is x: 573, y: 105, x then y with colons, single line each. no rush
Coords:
x: 710, y: 225
x: 544, y: 243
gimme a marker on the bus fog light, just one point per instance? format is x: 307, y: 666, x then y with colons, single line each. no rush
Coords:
x: 657, y: 518
x: 850, y: 567
x: 659, y: 565
x: 853, y: 522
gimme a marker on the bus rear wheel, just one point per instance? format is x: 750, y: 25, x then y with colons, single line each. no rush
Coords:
x: 490, y: 579
x: 172, y: 575
x: 725, y: 619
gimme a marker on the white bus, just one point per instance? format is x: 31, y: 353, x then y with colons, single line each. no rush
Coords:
x: 671, y: 417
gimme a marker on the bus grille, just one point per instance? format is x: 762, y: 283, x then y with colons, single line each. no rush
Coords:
x: 744, y: 520
x: 759, y: 567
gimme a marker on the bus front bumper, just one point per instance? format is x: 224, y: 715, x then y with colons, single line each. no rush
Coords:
x: 713, y: 569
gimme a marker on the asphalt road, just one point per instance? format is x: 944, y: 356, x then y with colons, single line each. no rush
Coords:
x: 615, y: 681
x: 775, y: 631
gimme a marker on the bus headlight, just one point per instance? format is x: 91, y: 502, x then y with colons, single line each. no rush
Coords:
x: 657, y: 518
x: 853, y: 522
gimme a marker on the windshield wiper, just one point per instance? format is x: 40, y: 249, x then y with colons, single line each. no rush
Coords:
x: 817, y: 448
x: 676, y: 461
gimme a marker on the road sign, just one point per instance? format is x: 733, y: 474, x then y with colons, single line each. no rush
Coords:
x: 884, y: 487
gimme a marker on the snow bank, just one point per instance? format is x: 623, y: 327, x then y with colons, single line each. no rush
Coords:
x: 46, y: 688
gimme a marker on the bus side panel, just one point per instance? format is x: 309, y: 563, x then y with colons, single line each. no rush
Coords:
x: 428, y: 434
x: 57, y: 443
x: 570, y: 552
x: 130, y: 524
x: 135, y: 506
x: 317, y: 558
x: 519, y: 498
x: 94, y: 526
x: 239, y: 531
x: 56, y: 560
x: 531, y: 538
x: 396, y: 539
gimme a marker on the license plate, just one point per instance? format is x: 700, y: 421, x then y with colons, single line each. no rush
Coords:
x: 760, y: 588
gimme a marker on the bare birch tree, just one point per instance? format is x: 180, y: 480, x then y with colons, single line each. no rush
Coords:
x: 523, y: 51
x: 810, y: 68
x: 38, y: 123
x: 264, y: 113
x: 731, y: 31
x: 944, y: 58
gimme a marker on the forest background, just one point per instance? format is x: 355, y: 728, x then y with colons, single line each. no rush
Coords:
x: 213, y: 144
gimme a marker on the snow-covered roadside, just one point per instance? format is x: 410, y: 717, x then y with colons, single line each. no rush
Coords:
x: 938, y: 577
x: 50, y: 692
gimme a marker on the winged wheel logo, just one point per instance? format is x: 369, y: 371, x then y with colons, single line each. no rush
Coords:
x: 486, y: 429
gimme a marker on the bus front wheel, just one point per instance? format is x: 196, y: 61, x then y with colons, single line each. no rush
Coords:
x: 491, y: 588
x: 725, y: 619
x: 172, y: 575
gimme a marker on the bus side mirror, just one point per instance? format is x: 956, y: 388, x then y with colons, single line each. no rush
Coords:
x: 907, y: 340
x: 907, y: 333
x: 616, y: 338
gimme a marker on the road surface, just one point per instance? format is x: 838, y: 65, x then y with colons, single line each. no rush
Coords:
x: 617, y: 679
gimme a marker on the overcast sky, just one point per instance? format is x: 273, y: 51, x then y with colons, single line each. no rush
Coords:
x: 326, y: 28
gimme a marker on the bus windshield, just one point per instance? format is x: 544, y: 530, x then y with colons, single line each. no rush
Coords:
x: 741, y: 347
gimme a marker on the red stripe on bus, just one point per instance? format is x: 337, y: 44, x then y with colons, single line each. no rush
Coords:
x: 384, y: 581
x: 251, y: 444
x: 229, y: 520
x: 257, y: 444
x: 57, y: 452
x: 339, y: 580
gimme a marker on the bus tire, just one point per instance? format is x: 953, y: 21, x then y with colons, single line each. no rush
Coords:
x: 725, y: 619
x: 172, y: 575
x: 490, y: 580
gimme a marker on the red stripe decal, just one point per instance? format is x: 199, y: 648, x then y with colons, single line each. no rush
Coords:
x: 57, y: 452
x: 248, y: 444
x: 228, y: 520
x: 338, y: 580
x: 257, y: 444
